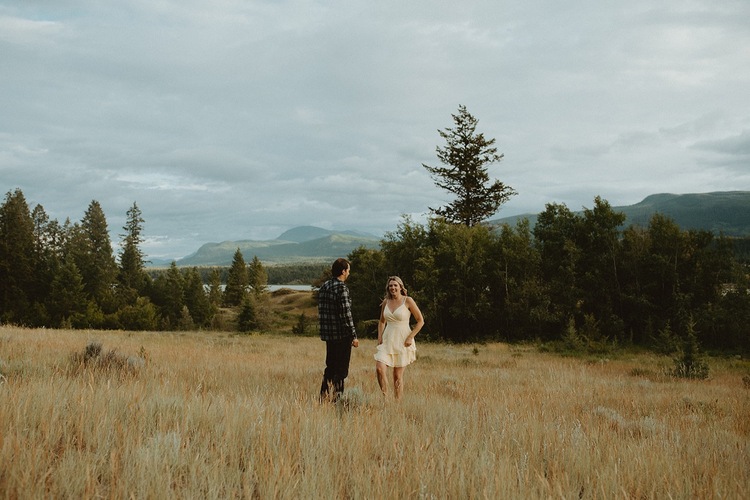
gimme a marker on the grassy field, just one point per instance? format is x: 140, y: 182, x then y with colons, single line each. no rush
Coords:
x: 217, y: 415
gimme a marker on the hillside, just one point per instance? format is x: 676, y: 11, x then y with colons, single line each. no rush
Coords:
x: 301, y: 244
x: 719, y: 212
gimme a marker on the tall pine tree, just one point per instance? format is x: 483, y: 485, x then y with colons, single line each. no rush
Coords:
x: 238, y: 281
x: 466, y: 156
x: 132, y: 276
x: 257, y: 277
x: 91, y: 249
x: 169, y: 295
x: 196, y: 298
x: 16, y: 258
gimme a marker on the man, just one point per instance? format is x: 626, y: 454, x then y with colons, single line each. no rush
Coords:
x: 336, y: 329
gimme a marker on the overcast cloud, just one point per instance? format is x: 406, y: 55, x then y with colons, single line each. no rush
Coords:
x: 240, y: 119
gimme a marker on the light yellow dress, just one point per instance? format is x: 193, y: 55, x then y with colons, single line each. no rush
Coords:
x: 392, y: 351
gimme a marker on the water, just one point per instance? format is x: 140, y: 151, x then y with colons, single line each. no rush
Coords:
x: 302, y: 288
x: 273, y: 288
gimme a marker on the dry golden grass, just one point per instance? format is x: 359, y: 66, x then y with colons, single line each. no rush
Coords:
x: 211, y: 415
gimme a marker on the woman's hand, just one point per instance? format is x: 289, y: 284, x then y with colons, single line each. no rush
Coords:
x: 408, y: 341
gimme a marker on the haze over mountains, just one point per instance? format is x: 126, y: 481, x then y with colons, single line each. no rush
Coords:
x: 720, y: 212
x: 300, y: 244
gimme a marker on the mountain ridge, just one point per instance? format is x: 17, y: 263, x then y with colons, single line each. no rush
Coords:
x: 725, y: 212
x: 303, y: 243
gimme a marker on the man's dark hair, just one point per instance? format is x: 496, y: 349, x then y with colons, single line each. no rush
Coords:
x: 338, y: 267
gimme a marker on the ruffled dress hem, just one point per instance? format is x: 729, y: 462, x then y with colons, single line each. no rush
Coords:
x: 396, y: 360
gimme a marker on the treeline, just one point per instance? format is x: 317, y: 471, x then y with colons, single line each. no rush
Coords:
x: 574, y: 278
x: 67, y: 276
x: 282, y: 274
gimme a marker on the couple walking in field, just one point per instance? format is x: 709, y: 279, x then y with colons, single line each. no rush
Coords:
x: 396, y: 348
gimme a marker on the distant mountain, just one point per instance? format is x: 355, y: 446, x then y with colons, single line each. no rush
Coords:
x: 300, y: 244
x: 302, y: 234
x: 721, y: 212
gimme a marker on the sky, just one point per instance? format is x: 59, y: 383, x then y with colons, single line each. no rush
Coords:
x: 241, y: 119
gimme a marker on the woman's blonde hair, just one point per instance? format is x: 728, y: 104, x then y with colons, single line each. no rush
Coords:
x: 397, y: 280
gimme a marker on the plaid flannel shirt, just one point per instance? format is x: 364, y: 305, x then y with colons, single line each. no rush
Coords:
x: 335, y: 311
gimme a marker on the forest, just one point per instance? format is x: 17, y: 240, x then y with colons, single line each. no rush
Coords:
x: 575, y: 279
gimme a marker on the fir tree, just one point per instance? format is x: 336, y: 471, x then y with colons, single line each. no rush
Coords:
x: 258, y: 277
x: 91, y: 249
x: 691, y: 361
x: 214, y: 289
x: 237, y: 281
x: 466, y: 157
x: 169, y: 295
x: 16, y: 258
x: 247, y: 320
x: 132, y: 276
x: 68, y: 303
x: 196, y: 298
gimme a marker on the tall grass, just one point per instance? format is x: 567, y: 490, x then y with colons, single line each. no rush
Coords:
x: 209, y: 415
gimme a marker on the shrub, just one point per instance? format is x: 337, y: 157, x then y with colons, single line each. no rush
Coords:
x: 93, y: 357
x: 666, y: 341
x: 302, y: 325
x: 572, y: 340
x: 140, y: 316
x: 247, y: 320
x: 691, y: 362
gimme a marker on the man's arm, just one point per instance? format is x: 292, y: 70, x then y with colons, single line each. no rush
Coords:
x: 347, y: 319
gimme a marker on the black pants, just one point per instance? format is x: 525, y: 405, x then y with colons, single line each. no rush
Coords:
x: 338, y: 354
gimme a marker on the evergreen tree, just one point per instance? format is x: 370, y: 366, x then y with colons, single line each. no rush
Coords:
x: 91, y: 249
x: 691, y: 361
x: 169, y: 296
x: 660, y: 271
x: 462, y: 261
x: 214, y: 289
x: 132, y: 276
x: 140, y: 316
x: 16, y: 258
x: 257, y: 277
x: 466, y: 157
x: 637, y: 306
x: 366, y: 286
x: 247, y: 319
x: 49, y: 251
x: 555, y: 235
x: 598, y: 272
x: 45, y: 260
x: 196, y: 298
x: 67, y: 303
x: 237, y: 281
x: 521, y: 298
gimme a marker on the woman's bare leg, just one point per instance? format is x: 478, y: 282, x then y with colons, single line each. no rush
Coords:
x: 381, y: 371
x: 398, y: 381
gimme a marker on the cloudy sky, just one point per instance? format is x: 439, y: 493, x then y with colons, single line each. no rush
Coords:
x: 240, y: 119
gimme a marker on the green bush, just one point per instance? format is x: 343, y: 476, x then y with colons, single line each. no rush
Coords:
x: 690, y: 361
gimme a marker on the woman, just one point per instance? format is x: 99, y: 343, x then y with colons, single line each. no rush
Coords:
x: 395, y: 336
